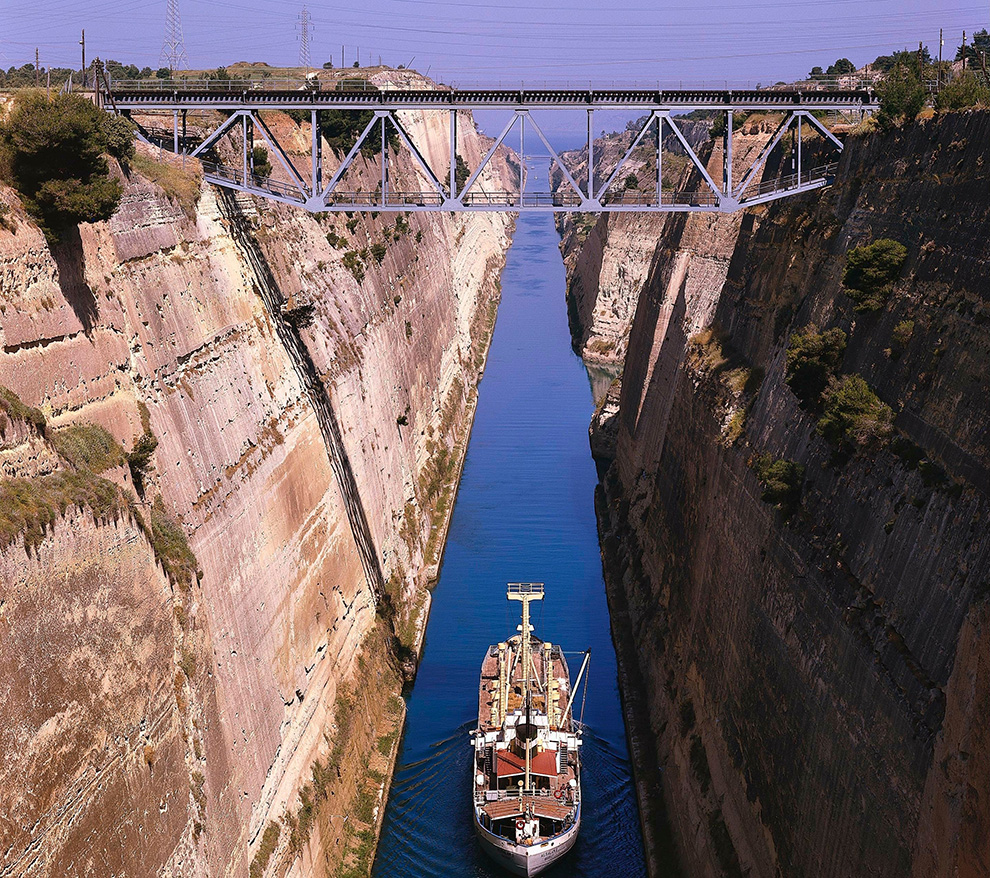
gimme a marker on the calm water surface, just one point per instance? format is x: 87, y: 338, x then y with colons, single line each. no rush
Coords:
x: 524, y: 513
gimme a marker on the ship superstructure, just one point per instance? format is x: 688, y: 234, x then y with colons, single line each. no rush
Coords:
x: 527, y: 748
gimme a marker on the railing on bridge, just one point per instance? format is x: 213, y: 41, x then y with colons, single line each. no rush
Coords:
x: 243, y: 106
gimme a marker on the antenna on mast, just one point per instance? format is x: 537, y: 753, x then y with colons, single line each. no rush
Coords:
x: 174, y: 47
x: 524, y: 592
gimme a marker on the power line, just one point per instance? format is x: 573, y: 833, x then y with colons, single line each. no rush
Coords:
x: 174, y: 47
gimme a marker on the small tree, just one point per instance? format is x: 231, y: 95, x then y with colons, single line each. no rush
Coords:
x: 871, y: 271
x: 901, y: 96
x: 54, y: 153
x: 854, y: 415
x: 782, y: 481
x: 632, y: 182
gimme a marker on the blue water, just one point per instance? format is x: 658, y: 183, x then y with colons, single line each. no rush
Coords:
x: 524, y: 513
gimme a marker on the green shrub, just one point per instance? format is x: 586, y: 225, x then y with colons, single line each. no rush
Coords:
x: 378, y: 252
x: 55, y: 154
x: 901, y: 96
x: 119, y: 133
x: 782, y: 481
x: 871, y: 271
x: 812, y: 358
x: 900, y: 338
x: 854, y: 415
x: 338, y: 242
x: 632, y: 182
x: 259, y: 160
x: 89, y: 447
x: 353, y: 263
x: 961, y: 92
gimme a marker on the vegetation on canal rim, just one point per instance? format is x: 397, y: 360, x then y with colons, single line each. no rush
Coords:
x: 10, y: 404
x: 171, y: 546
x: 183, y: 185
x: 871, y: 271
x: 812, y: 358
x: 54, y: 153
x: 88, y: 447
x: 269, y: 840
x: 853, y: 415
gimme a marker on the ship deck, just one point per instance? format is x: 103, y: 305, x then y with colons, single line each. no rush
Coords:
x: 488, y: 686
x: 542, y: 807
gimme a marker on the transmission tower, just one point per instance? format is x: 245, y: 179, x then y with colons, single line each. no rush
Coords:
x: 306, y: 26
x: 174, y: 47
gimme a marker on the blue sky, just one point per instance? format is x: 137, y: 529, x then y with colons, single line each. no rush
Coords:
x: 462, y: 41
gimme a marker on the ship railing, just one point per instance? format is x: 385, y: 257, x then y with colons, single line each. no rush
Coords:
x: 486, y: 797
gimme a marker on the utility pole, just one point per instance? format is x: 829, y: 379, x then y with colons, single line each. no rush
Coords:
x: 921, y: 63
x: 964, y: 52
x: 941, y: 43
x: 82, y: 43
x: 37, y: 70
x: 174, y: 47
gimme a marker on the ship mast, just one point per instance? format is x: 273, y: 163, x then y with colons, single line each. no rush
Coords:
x: 524, y: 592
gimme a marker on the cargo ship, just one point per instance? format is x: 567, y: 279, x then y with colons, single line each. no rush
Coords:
x: 527, y: 748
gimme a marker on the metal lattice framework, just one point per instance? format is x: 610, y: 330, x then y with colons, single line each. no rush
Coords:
x: 174, y: 48
x: 311, y: 192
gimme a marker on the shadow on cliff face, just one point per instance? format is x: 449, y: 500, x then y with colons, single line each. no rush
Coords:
x: 71, y: 262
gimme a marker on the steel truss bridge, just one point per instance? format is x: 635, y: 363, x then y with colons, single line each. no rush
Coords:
x: 243, y: 105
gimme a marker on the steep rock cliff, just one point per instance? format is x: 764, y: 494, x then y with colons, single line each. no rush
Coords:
x: 310, y: 424
x: 812, y: 684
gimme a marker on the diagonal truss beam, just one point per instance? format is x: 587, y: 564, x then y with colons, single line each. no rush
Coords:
x: 348, y: 160
x: 489, y: 154
x: 615, y: 173
x: 280, y: 154
x: 216, y: 135
x: 555, y: 157
x: 697, y: 162
x: 416, y: 155
x: 761, y: 159
x: 821, y: 128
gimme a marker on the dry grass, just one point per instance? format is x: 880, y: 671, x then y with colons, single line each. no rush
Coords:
x: 89, y: 447
x: 180, y: 185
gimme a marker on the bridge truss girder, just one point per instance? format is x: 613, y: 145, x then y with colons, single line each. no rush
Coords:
x: 309, y: 192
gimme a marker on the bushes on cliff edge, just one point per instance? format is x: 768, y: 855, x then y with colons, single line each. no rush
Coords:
x: 171, y: 547
x: 10, y: 404
x: 812, y: 358
x: 54, y: 153
x: 902, y: 96
x: 871, y: 271
x: 854, y: 415
x: 961, y: 92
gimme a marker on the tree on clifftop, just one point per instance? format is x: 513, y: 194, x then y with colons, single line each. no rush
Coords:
x: 54, y: 153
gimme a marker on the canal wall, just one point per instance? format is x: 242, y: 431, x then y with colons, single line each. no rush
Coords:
x: 809, y: 663
x: 202, y: 674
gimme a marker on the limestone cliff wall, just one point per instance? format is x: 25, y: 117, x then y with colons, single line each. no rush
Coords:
x: 812, y: 687
x: 609, y: 257
x: 291, y: 397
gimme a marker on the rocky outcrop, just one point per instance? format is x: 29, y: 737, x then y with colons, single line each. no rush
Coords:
x: 311, y: 411
x: 813, y: 676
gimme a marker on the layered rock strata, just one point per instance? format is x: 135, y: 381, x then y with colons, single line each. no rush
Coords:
x: 310, y: 382
x: 811, y: 675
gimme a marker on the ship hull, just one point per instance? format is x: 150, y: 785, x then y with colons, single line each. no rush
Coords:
x: 527, y: 859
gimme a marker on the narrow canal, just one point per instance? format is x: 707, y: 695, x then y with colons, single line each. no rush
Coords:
x: 524, y: 513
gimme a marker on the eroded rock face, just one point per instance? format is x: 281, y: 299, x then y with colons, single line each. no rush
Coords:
x: 814, y: 683
x: 241, y: 330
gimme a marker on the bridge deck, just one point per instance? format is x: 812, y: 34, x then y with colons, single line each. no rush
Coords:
x: 231, y: 97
